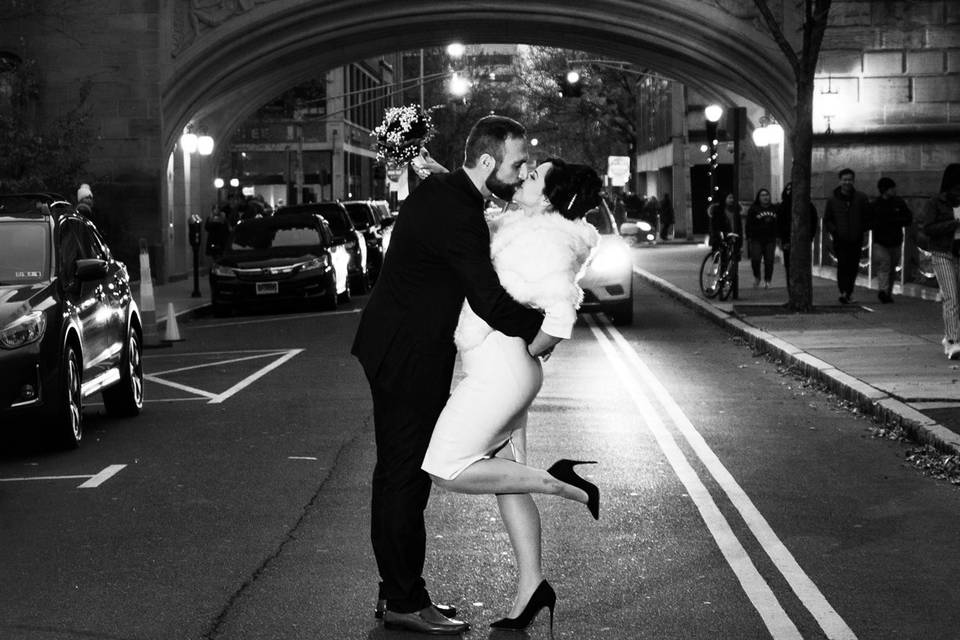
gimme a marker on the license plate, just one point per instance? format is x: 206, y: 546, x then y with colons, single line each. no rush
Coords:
x: 266, y: 288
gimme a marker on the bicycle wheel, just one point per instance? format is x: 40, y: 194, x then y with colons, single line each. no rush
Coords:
x: 710, y: 274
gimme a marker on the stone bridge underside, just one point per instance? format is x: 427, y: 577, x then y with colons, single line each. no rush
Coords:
x: 224, y: 69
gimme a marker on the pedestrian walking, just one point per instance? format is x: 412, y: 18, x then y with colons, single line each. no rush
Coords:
x: 761, y: 231
x: 218, y: 231
x: 889, y: 214
x: 785, y: 225
x: 939, y: 233
x: 844, y: 218
x: 667, y: 217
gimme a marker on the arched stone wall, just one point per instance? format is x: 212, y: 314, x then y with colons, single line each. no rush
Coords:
x: 219, y: 73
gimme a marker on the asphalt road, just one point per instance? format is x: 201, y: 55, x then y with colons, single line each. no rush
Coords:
x: 737, y: 502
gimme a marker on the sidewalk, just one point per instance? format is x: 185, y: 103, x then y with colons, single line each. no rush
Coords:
x: 886, y: 358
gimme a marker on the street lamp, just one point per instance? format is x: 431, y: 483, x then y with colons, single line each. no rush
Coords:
x: 234, y: 182
x: 459, y: 86
x: 205, y: 145
x: 456, y: 50
x: 712, y: 114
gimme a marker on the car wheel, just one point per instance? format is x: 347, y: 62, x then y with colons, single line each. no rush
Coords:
x: 125, y: 398
x: 360, y: 285
x: 621, y: 313
x: 68, y: 421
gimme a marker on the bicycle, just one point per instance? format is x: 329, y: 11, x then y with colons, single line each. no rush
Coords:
x: 719, y: 270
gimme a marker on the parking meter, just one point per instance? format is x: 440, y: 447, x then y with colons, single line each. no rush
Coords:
x: 194, y: 229
x: 195, y: 225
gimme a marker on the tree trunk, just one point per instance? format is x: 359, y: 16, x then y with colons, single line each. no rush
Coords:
x: 800, y: 286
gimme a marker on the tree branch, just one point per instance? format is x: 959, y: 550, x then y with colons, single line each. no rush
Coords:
x: 778, y: 36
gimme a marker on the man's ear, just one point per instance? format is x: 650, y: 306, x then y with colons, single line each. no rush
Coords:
x: 488, y: 162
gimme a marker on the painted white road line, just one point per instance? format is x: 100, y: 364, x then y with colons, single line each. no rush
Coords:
x: 829, y: 620
x: 181, y: 387
x: 103, y: 476
x: 276, y: 352
x: 300, y: 316
x: 254, y: 376
x: 91, y: 481
x: 778, y: 623
x: 301, y: 457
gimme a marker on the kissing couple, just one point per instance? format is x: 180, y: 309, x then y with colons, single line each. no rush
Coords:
x: 504, y: 293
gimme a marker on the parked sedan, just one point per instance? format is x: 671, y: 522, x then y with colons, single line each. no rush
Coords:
x: 284, y: 258
x: 344, y: 232
x: 608, y: 283
x: 69, y: 327
x: 366, y: 219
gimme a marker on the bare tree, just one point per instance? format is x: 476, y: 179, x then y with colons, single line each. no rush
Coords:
x: 804, y: 65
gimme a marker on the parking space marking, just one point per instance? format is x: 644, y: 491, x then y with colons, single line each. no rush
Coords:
x: 255, y: 376
x: 91, y: 481
x: 281, y: 355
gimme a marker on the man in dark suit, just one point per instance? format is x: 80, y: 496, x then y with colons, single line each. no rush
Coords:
x: 439, y: 255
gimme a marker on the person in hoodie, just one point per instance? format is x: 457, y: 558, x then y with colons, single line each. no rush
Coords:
x: 889, y: 214
x: 761, y: 231
x: 845, y: 219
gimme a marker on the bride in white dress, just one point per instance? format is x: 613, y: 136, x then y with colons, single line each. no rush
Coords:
x: 539, y: 249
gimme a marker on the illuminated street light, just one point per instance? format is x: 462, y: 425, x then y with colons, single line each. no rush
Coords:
x: 188, y: 142
x: 713, y: 113
x: 456, y: 50
x: 534, y: 142
x: 205, y: 145
x: 218, y: 183
x: 234, y: 182
x: 573, y: 77
x: 459, y: 86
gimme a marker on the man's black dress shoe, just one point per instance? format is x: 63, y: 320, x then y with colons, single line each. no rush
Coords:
x: 427, y: 620
x: 445, y: 609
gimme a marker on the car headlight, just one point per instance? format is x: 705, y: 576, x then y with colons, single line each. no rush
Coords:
x: 24, y: 330
x: 644, y: 226
x: 223, y: 272
x: 612, y: 260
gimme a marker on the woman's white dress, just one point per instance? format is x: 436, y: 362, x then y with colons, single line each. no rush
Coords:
x: 539, y: 259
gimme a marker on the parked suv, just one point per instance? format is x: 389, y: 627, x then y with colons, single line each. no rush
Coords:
x: 358, y: 274
x: 69, y: 327
x: 365, y: 216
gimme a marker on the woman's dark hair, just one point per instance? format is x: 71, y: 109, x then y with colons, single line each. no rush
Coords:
x: 951, y: 177
x: 488, y: 136
x: 572, y: 189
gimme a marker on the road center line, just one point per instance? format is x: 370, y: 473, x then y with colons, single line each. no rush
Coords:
x: 778, y: 623
x: 806, y: 590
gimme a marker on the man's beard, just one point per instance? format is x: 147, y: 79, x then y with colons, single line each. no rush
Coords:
x: 501, y: 189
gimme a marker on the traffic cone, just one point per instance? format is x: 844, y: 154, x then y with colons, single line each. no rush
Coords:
x: 148, y: 310
x: 172, y: 332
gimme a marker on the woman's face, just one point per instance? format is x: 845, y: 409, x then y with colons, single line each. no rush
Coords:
x: 530, y: 193
x: 729, y: 200
x: 764, y: 197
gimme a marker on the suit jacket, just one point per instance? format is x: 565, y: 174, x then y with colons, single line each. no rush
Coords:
x: 439, y: 254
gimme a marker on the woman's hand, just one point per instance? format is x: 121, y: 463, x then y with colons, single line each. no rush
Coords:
x: 543, y: 344
x: 425, y: 165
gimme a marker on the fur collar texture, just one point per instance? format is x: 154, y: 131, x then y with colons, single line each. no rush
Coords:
x: 539, y: 259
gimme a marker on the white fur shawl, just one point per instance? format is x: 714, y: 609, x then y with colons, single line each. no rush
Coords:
x: 539, y: 259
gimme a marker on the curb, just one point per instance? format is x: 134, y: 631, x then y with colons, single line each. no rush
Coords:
x: 868, y: 399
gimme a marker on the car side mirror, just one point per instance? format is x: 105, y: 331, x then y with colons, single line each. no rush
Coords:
x: 91, y: 269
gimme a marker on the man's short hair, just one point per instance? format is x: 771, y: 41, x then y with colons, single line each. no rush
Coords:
x: 885, y: 183
x: 846, y: 171
x: 488, y: 136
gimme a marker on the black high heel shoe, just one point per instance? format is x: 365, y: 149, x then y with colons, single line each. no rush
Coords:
x: 544, y: 596
x: 563, y: 471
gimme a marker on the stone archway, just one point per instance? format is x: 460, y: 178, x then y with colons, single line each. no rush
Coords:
x: 224, y: 62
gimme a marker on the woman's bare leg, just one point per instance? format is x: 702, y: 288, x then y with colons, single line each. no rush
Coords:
x: 499, y: 475
x: 522, y: 520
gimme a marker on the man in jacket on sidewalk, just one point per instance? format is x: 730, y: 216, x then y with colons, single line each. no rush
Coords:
x: 845, y: 219
x: 889, y: 214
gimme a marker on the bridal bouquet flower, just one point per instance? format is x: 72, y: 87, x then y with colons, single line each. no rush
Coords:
x: 401, y: 134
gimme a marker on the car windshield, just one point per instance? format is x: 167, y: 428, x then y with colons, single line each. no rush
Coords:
x: 267, y: 233
x: 359, y: 214
x: 24, y: 252
x: 339, y: 223
x: 601, y: 219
